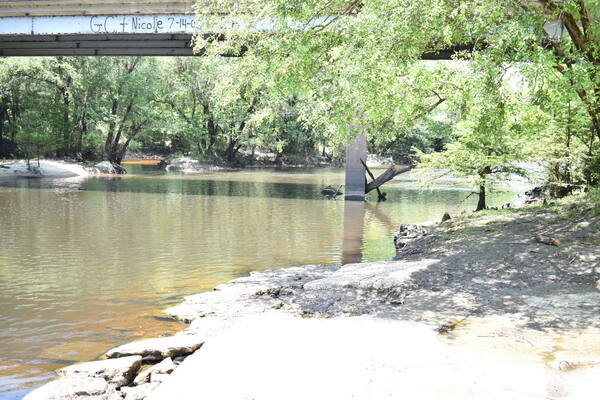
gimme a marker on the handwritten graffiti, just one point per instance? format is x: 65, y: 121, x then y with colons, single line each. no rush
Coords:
x: 142, y: 24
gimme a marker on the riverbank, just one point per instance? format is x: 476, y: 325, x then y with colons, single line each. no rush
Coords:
x: 185, y: 165
x: 57, y: 169
x: 479, y: 307
x: 45, y: 169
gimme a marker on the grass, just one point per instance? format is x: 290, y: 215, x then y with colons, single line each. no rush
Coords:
x: 571, y: 208
x: 578, y: 206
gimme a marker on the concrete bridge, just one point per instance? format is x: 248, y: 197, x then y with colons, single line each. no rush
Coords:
x: 96, y: 28
x: 107, y: 28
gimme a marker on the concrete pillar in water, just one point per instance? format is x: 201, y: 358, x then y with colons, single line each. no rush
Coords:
x: 355, y: 171
x: 354, y: 221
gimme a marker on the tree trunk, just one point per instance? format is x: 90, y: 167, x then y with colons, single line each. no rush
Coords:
x: 67, y: 134
x: 3, y: 115
x: 1, y: 137
x: 380, y: 196
x: 211, y: 128
x: 231, y: 151
x: 111, y: 127
x: 388, y: 175
x: 481, y: 202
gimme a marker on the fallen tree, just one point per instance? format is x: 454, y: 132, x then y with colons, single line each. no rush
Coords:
x: 388, y: 175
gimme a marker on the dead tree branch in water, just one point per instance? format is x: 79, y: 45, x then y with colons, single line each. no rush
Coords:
x: 388, y: 175
x: 380, y: 196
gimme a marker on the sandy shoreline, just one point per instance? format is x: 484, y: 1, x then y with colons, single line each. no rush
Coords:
x: 45, y: 169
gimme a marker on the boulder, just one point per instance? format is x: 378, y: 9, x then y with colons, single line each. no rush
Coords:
x: 107, y: 167
x: 75, y: 387
x: 119, y: 371
x: 159, y: 348
x: 139, y: 392
x: 408, y: 233
x: 166, y: 366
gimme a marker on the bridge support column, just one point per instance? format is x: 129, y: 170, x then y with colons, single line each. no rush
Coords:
x: 355, y: 171
x: 354, y: 222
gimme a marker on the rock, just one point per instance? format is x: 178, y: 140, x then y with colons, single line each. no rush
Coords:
x: 407, y: 233
x: 239, y: 296
x: 166, y: 366
x: 446, y: 217
x: 378, y: 275
x: 75, y: 387
x: 332, y: 192
x: 535, y: 193
x: 139, y: 392
x: 119, y: 371
x: 178, y: 360
x: 107, y: 167
x: 159, y: 348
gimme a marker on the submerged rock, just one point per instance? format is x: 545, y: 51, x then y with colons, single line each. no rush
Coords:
x: 159, y: 348
x: 75, y: 387
x: 119, y: 371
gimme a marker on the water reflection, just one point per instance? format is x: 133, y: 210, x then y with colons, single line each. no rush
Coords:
x: 354, y: 222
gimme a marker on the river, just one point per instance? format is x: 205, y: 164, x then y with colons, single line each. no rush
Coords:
x: 88, y: 263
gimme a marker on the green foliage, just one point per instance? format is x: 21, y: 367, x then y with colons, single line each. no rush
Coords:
x: 100, y: 107
x: 359, y: 65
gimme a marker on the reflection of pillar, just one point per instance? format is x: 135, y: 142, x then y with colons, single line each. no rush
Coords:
x: 355, y: 171
x: 354, y: 216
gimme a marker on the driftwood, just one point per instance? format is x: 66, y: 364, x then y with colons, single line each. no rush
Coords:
x: 380, y: 196
x: 388, y: 175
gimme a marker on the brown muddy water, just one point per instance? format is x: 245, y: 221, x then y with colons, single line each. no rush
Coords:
x: 89, y: 263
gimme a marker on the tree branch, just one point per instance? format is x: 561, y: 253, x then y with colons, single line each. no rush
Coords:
x: 388, y: 175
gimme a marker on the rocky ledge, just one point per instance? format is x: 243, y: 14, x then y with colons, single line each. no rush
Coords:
x: 470, y: 308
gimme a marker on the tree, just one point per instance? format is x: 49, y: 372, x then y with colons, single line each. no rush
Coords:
x: 492, y: 136
x: 353, y: 70
x: 367, y: 72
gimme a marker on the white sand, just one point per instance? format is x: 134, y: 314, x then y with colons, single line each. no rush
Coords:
x: 47, y: 169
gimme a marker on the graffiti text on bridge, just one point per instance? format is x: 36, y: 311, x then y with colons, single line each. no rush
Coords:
x: 142, y: 24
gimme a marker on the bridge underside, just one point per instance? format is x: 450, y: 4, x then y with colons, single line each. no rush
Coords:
x: 117, y: 28
x: 140, y: 44
x: 112, y: 35
x: 97, y: 35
